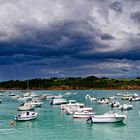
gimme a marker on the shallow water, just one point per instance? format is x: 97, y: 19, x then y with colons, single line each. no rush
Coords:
x: 53, y: 124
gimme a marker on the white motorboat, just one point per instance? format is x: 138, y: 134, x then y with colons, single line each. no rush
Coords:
x: 83, y: 114
x: 126, y: 107
x: 36, y: 102
x: 70, y: 103
x: 115, y: 104
x: 33, y: 95
x: 87, y: 97
x: 92, y: 99
x: 24, y: 99
x: 15, y: 97
x: 58, y: 101
x: 12, y: 94
x: 134, y: 99
x: 50, y: 96
x: 54, y: 96
x: 67, y: 93
x: 103, y: 101
x: 109, y: 117
x: 112, y: 97
x: 126, y: 96
x: 26, y: 107
x: 26, y: 116
x: 119, y: 94
x: 27, y: 94
x: 42, y: 97
x: 78, y: 107
x: 135, y: 95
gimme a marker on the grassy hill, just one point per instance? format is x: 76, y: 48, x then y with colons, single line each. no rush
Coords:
x: 90, y: 82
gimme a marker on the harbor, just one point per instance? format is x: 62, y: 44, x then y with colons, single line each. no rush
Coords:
x: 54, y: 123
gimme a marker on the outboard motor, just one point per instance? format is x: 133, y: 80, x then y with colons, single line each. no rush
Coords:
x: 51, y: 102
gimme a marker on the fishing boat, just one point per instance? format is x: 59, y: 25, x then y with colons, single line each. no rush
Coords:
x: 83, y: 114
x: 26, y: 116
x: 26, y: 107
x: 109, y: 117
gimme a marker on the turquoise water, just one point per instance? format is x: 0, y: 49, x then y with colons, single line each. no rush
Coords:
x: 53, y: 124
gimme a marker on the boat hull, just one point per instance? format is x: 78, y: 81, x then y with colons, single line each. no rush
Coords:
x: 100, y: 119
x: 84, y: 116
x: 26, y: 118
x: 25, y: 109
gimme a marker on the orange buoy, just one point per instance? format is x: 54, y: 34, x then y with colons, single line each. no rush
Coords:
x: 11, y: 122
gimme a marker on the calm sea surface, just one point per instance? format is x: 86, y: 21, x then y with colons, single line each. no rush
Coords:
x: 53, y: 124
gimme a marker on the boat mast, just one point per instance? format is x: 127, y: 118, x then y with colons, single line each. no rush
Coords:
x: 28, y: 85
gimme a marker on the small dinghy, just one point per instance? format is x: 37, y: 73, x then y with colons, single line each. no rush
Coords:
x: 26, y: 116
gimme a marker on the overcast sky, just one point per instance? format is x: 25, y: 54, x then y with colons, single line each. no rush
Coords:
x: 63, y: 38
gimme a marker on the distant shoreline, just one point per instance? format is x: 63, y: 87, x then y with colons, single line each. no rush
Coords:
x: 76, y: 88
x: 72, y: 83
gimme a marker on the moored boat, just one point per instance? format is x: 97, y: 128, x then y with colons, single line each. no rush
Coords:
x: 24, y: 99
x: 26, y: 116
x: 126, y: 107
x: 25, y: 107
x: 58, y: 101
x: 36, y: 102
x: 83, y: 114
x: 103, y: 101
x: 115, y: 104
x: 109, y: 117
x: 78, y: 107
x: 70, y: 103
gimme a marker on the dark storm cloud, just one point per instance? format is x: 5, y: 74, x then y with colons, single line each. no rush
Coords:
x: 107, y: 37
x: 117, y: 6
x: 57, y: 41
x: 70, y: 38
x: 135, y: 17
x: 60, y: 41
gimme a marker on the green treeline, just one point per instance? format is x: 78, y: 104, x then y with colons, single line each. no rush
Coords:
x: 90, y: 82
